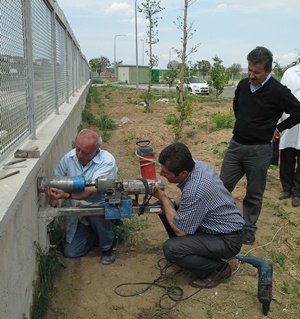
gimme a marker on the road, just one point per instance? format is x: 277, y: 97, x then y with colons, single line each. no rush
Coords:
x: 227, y: 93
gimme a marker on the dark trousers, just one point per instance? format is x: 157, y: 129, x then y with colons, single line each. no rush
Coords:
x: 200, y: 253
x: 252, y: 161
x: 289, y: 171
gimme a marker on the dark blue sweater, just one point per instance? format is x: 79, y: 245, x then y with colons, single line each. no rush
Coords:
x: 257, y: 113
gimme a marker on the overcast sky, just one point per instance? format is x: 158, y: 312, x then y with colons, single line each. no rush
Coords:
x: 228, y: 29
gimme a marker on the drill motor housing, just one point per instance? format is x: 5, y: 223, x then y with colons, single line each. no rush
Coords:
x: 265, y: 274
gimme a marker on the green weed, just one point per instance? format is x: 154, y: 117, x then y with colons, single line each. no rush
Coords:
x: 191, y: 133
x: 223, y: 120
x: 171, y: 119
x: 49, y: 267
x: 88, y: 117
x: 130, y: 231
x: 220, y: 149
x: 98, y: 81
x: 291, y: 290
x: 105, y: 123
x: 280, y: 259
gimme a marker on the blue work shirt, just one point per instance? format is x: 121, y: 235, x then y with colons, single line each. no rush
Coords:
x: 102, y: 165
x: 206, y: 205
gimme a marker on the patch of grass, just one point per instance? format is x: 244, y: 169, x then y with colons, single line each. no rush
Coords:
x: 223, y: 120
x: 98, y: 81
x: 291, y: 290
x: 107, y: 95
x: 220, y: 149
x: 88, y: 117
x: 130, y: 231
x: 279, y: 259
x: 191, y: 133
x: 105, y: 123
x: 49, y: 267
x: 171, y: 119
x: 276, y: 209
x: 209, y: 313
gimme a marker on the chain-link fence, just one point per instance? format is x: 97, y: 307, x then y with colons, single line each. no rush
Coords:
x: 41, y: 66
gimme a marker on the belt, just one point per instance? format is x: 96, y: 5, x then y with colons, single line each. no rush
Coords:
x: 236, y: 232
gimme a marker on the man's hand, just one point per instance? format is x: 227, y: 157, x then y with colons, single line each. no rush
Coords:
x: 276, y: 133
x: 159, y: 194
x: 56, y: 194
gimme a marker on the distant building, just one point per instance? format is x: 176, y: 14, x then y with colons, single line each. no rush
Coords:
x: 107, y: 74
x: 127, y: 74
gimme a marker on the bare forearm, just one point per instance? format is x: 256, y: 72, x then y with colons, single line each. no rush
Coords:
x: 56, y: 194
x: 89, y: 192
x: 170, y: 213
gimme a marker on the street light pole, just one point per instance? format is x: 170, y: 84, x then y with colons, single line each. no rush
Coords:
x: 136, y: 50
x: 143, y: 51
x: 115, y: 54
x: 170, y: 54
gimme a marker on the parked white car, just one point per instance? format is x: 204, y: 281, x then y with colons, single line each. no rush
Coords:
x: 195, y: 85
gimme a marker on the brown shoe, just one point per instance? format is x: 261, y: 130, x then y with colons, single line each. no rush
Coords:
x: 295, y: 201
x: 285, y: 195
x: 213, y: 279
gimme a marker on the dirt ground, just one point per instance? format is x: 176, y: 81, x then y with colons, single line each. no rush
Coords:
x: 135, y: 285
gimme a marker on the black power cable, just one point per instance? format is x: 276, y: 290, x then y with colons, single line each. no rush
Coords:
x: 173, y: 293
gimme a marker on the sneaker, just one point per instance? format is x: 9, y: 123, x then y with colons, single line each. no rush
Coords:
x: 249, y: 237
x: 108, y: 257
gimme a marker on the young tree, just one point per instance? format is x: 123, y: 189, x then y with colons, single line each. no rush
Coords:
x: 184, y: 105
x: 218, y: 77
x: 99, y: 64
x: 151, y: 8
x: 172, y: 72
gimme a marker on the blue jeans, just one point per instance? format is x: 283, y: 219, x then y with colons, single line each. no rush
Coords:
x: 99, y: 232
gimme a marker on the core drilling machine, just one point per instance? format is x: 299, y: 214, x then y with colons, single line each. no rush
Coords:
x: 119, y: 204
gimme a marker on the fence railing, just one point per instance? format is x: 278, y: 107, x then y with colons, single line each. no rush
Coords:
x: 41, y: 66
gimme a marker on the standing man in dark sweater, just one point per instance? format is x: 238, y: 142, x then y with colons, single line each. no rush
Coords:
x: 258, y: 104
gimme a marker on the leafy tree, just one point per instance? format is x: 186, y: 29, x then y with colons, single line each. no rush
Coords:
x: 151, y: 8
x: 278, y: 71
x: 203, y: 67
x: 235, y: 69
x: 172, y: 72
x: 99, y: 64
x: 184, y: 105
x: 218, y: 77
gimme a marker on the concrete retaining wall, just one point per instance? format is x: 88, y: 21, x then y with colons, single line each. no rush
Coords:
x: 20, y: 204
